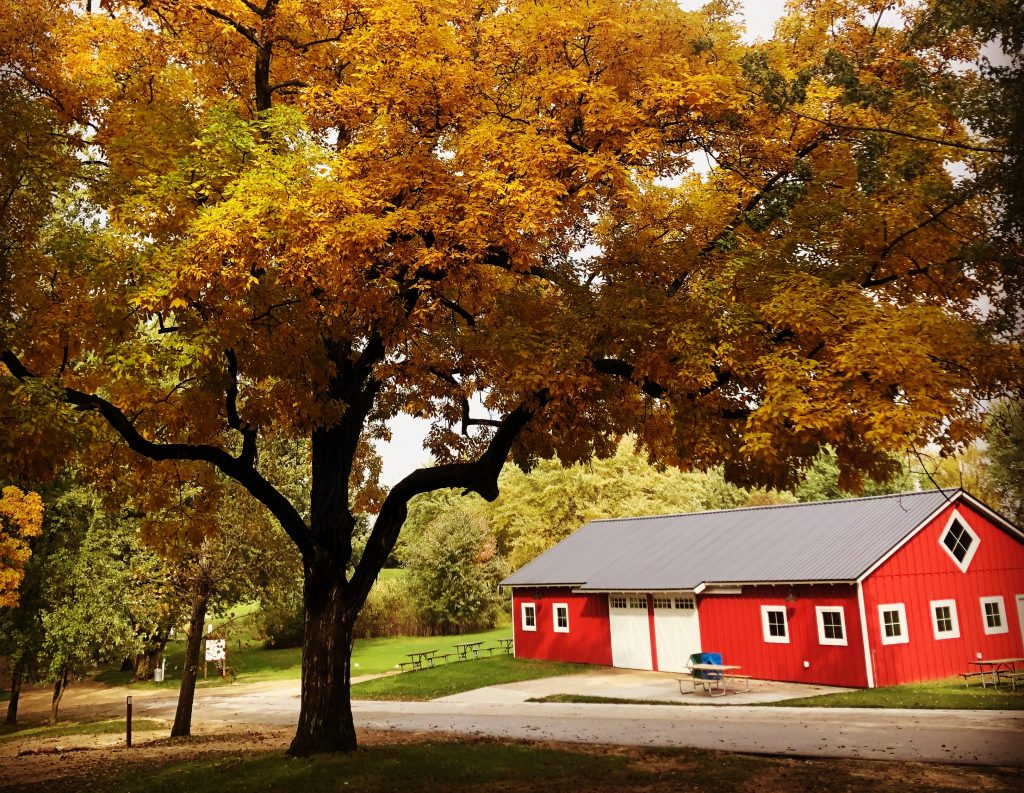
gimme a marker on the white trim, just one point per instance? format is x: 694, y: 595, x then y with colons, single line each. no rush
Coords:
x: 995, y: 517
x: 972, y: 549
x: 523, y: 624
x: 766, y: 632
x: 1004, y: 627
x: 950, y: 634
x: 911, y: 535
x: 819, y: 614
x: 901, y: 610
x: 869, y: 666
x: 554, y: 617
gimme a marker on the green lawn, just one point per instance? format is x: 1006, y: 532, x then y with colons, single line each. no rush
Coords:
x: 941, y: 694
x: 384, y: 655
x: 949, y: 693
x: 481, y: 765
x: 461, y: 676
x: 75, y: 728
x: 253, y: 663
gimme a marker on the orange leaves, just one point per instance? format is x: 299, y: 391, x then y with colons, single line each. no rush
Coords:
x: 21, y: 517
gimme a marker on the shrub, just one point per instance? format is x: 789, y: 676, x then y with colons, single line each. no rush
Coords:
x: 281, y: 617
x: 390, y: 610
x: 454, y: 570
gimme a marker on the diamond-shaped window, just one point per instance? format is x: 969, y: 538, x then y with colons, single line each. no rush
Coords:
x: 960, y: 542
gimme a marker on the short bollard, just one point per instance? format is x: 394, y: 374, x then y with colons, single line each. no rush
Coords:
x: 128, y: 725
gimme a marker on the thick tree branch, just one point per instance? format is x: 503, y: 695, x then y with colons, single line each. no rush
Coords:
x: 479, y: 476
x: 237, y: 468
x: 248, y: 432
x: 243, y: 30
x: 626, y: 371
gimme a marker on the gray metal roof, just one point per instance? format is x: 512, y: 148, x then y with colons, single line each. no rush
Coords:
x: 818, y: 541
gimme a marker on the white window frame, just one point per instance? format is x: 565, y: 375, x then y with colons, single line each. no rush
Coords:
x: 901, y: 609
x: 954, y: 619
x: 554, y: 617
x: 766, y: 625
x: 1004, y: 627
x: 525, y: 625
x: 624, y: 601
x: 820, y: 612
x: 975, y: 541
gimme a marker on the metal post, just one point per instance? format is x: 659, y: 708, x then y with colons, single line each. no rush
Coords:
x: 128, y: 725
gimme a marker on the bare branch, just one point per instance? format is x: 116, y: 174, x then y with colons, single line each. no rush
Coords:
x: 953, y: 144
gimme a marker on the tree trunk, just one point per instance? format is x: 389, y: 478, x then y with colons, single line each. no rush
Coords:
x: 58, y: 693
x: 190, y: 670
x: 325, y: 715
x: 12, y: 706
x: 146, y: 662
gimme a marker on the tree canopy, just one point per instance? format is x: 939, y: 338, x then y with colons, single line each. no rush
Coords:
x: 235, y: 222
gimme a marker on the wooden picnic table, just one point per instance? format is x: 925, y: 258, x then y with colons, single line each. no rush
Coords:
x: 506, y: 644
x: 995, y: 666
x: 465, y: 648
x: 705, y: 682
x: 417, y: 660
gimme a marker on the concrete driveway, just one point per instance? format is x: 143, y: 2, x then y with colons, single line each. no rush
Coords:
x: 633, y: 684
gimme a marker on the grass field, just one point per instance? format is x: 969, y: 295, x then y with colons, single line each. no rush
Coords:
x: 940, y: 694
x: 949, y: 693
x: 417, y: 765
x: 460, y: 676
x: 253, y: 664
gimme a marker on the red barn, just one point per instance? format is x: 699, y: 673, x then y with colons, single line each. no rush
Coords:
x: 860, y: 592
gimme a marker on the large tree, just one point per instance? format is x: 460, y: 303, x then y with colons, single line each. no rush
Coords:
x: 294, y: 218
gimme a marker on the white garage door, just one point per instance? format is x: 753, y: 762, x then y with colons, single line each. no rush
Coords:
x: 676, y: 629
x: 631, y: 631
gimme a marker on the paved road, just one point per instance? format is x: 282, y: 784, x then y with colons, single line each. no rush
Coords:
x: 944, y: 736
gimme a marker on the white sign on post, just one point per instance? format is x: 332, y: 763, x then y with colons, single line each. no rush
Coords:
x: 216, y: 649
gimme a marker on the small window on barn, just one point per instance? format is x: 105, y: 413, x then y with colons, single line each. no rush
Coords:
x: 773, y: 624
x: 892, y: 618
x: 959, y: 541
x: 686, y: 603
x: 529, y: 617
x: 638, y: 601
x: 831, y: 627
x: 662, y: 602
x: 561, y: 617
x: 618, y: 601
x: 944, y: 619
x: 992, y: 611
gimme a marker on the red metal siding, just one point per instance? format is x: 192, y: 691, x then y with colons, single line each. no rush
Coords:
x: 589, y: 638
x: 921, y: 571
x: 731, y: 625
